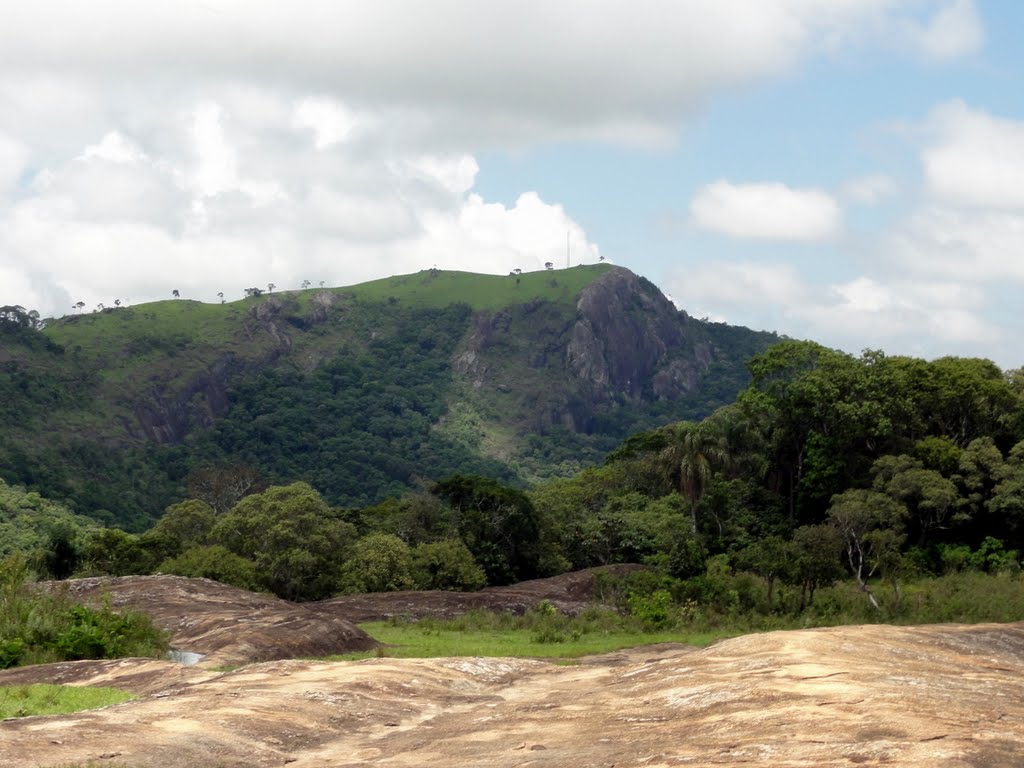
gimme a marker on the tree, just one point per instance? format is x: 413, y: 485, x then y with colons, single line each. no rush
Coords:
x: 549, y: 265
x: 517, y: 271
x: 871, y: 525
x: 100, y: 307
x: 321, y: 283
x: 253, y: 292
x: 930, y: 497
x: 221, y: 486
x: 270, y: 287
x: 176, y: 293
x: 816, y: 552
x: 938, y: 453
x: 416, y: 518
x: 297, y: 542
x: 220, y: 295
x: 117, y: 302
x: 114, y: 552
x: 693, y: 454
x: 447, y: 564
x: 214, y: 562
x: 379, y: 562
x: 61, y: 557
x: 770, y: 558
x: 80, y: 306
x: 305, y: 284
x: 188, y: 523
x: 498, y: 524
x: 1005, y: 507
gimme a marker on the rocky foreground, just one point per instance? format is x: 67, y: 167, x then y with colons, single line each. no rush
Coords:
x: 948, y: 695
x: 871, y: 695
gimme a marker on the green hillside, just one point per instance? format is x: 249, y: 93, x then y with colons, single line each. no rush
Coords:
x: 363, y: 391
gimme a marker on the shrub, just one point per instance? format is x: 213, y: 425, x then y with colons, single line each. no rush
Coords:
x: 655, y: 610
x: 38, y: 627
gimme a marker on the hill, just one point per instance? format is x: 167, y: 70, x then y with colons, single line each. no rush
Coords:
x: 364, y: 391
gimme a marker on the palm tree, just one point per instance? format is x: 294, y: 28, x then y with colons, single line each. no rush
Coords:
x: 271, y: 287
x: 693, y: 455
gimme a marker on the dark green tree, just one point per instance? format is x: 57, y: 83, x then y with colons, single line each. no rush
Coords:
x: 497, y: 523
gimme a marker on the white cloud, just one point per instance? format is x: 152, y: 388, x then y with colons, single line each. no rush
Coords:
x: 766, y: 211
x: 921, y: 315
x: 220, y: 211
x: 974, y: 159
x: 877, y: 314
x: 217, y: 162
x: 454, y: 175
x: 14, y: 157
x: 733, y: 284
x: 621, y: 71
x: 955, y: 30
x: 968, y: 245
x: 331, y: 121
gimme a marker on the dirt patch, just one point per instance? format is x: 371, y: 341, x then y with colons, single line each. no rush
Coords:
x: 874, y: 695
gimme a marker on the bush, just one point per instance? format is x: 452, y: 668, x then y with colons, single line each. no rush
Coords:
x: 655, y: 611
x: 38, y: 627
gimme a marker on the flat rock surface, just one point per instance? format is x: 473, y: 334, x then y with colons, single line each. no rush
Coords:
x: 948, y: 695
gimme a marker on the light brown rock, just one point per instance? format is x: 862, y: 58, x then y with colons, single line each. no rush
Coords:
x: 945, y: 695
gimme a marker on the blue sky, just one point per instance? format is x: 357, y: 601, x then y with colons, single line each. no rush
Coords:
x: 850, y: 171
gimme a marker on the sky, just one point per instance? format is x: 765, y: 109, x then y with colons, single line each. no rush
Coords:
x: 848, y: 171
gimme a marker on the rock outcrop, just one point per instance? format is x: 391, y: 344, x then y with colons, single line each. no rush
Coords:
x: 906, y: 697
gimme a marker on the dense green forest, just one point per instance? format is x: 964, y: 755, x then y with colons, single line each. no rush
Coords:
x: 874, y: 471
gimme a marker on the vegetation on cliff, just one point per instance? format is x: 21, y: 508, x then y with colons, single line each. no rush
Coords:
x: 365, y: 392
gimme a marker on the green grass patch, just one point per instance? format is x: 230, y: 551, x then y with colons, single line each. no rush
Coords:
x: 441, y: 288
x: 538, y: 634
x: 42, y: 699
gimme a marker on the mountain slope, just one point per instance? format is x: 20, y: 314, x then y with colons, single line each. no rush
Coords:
x: 364, y: 391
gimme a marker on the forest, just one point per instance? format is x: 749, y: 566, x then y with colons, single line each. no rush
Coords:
x: 834, y: 486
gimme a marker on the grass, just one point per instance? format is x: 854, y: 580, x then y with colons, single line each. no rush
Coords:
x: 41, y: 699
x: 969, y: 597
x: 535, y: 635
x: 442, y: 288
